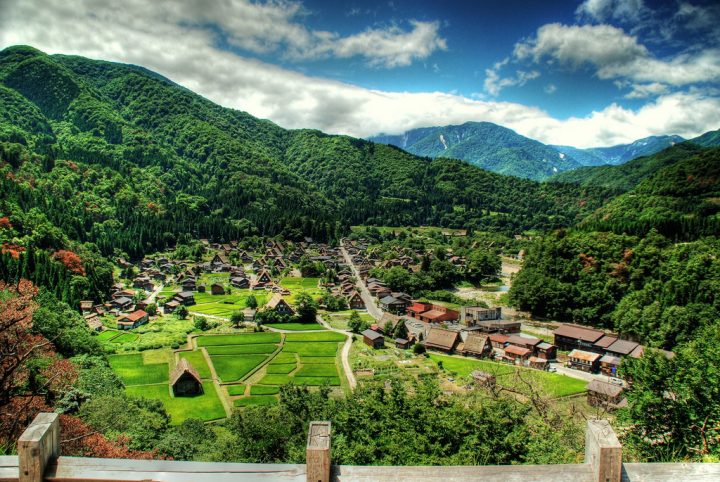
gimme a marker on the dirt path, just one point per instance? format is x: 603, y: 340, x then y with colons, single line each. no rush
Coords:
x: 344, y: 354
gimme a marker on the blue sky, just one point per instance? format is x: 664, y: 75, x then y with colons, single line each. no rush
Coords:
x: 583, y: 73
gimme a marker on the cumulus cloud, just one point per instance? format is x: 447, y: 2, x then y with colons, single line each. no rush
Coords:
x: 133, y: 32
x: 615, y: 54
x: 642, y: 91
x: 603, y: 10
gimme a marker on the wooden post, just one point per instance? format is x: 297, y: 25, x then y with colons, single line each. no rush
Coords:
x: 603, y: 451
x: 39, y: 443
x: 318, y: 452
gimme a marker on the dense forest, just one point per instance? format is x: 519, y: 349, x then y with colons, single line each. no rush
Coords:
x: 121, y: 157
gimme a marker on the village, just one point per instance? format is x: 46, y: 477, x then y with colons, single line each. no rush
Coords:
x: 206, y: 336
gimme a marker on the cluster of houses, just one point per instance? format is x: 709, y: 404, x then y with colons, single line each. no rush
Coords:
x: 595, y: 351
x: 130, y: 314
x: 472, y: 331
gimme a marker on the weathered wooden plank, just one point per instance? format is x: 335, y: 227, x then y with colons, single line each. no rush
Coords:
x: 8, y: 468
x: 672, y: 472
x: 37, y: 445
x: 486, y: 473
x: 73, y: 469
x: 603, y: 451
x: 318, y: 452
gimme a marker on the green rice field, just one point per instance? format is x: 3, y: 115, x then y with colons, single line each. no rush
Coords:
x: 197, y: 360
x: 133, y: 371
x: 254, y: 348
x: 256, y: 400
x: 234, y: 390
x: 231, y: 368
x: 204, y: 407
x: 239, y: 339
x: 296, y: 326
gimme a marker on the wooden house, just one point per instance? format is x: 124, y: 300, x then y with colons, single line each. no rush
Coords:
x: 477, y: 344
x: 570, y: 337
x: 602, y: 394
x: 516, y: 354
x: 498, y: 340
x: 499, y: 326
x: 185, y: 298
x: 132, y: 320
x: 171, y: 306
x: 609, y: 365
x: 621, y: 348
x: 373, y: 339
x: 393, y: 305
x: 537, y: 363
x: 277, y: 303
x: 185, y: 380
x: 92, y: 320
x: 240, y: 282
x: 262, y: 279
x: 122, y: 303
x: 86, y: 306
x: 471, y: 315
x: 355, y: 301
x: 441, y: 339
x: 524, y: 342
x: 217, y: 289
x: 546, y: 351
x: 402, y: 343
x: 584, y: 360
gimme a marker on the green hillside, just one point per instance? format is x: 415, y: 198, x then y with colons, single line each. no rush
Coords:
x: 125, y: 159
x: 681, y: 201
x: 624, y: 177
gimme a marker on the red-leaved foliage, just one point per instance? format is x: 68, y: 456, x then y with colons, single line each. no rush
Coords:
x: 13, y: 249
x: 80, y: 440
x: 5, y: 223
x: 71, y: 261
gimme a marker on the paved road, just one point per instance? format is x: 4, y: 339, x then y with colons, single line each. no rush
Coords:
x: 372, y: 308
x: 155, y: 292
x: 579, y: 374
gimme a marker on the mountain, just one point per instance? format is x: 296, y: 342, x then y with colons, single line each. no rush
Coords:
x: 680, y: 200
x: 585, y: 157
x: 124, y: 159
x: 622, y: 153
x: 709, y: 139
x: 626, y: 176
x: 485, y: 145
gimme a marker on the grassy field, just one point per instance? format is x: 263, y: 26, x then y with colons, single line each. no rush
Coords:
x: 254, y: 348
x: 124, y: 338
x: 284, y: 357
x: 325, y: 349
x: 319, y: 336
x: 197, y: 360
x: 283, y: 368
x: 224, y: 305
x: 161, y: 331
x: 552, y: 384
x: 296, y: 326
x: 301, y: 285
x: 339, y: 319
x: 234, y: 390
x: 326, y: 370
x: 133, y: 371
x: 107, y: 335
x: 203, y: 407
x: 239, y: 339
x: 256, y: 400
x: 232, y: 368
x: 264, y: 390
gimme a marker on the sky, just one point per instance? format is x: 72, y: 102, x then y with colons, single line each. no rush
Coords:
x: 581, y: 73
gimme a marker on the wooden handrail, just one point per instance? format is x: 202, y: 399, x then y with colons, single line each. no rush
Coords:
x: 39, y: 448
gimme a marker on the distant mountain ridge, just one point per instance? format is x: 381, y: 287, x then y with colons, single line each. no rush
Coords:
x: 485, y: 145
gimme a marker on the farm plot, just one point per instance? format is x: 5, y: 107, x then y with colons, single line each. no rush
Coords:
x: 296, y: 326
x: 319, y: 336
x: 239, y: 339
x: 254, y: 348
x: 301, y: 285
x: 132, y: 370
x: 203, y: 407
x: 235, y: 390
x: 231, y: 368
x: 256, y: 400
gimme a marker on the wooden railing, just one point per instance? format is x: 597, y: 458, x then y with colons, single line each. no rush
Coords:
x: 39, y: 460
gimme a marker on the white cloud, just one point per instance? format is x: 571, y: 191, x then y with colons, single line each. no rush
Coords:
x: 550, y: 89
x: 602, y: 10
x: 494, y: 82
x: 133, y: 32
x: 642, y: 91
x: 616, y: 55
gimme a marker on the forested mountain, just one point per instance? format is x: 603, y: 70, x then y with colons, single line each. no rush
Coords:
x: 709, y: 139
x: 124, y: 158
x: 681, y: 201
x: 626, y: 176
x: 486, y: 145
x: 621, y: 153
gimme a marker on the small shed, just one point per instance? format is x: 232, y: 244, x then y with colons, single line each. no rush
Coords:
x: 217, y: 289
x: 604, y: 394
x: 483, y: 379
x: 442, y: 340
x: 185, y: 380
x: 373, y: 339
x: 402, y: 343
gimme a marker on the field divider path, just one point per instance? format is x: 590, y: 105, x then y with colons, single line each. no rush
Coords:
x: 270, y: 358
x: 344, y: 353
x: 216, y: 381
x: 370, y: 305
